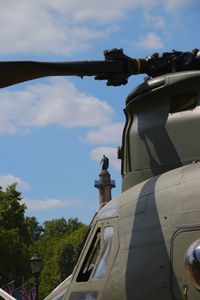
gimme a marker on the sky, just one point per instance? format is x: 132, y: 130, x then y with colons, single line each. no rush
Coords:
x: 54, y: 131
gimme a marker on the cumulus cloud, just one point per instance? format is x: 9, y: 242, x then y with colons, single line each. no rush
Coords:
x: 150, y: 41
x: 56, y: 103
x: 35, y: 27
x: 100, y: 11
x: 57, y: 27
x: 175, y: 4
x: 154, y: 20
x: 6, y: 180
x: 111, y: 152
x: 106, y: 11
x: 52, y: 203
x: 110, y: 133
x: 41, y: 204
x: 30, y: 26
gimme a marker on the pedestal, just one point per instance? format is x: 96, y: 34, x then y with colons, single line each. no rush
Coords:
x: 104, y: 185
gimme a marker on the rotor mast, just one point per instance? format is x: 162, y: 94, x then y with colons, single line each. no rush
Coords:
x: 115, y: 69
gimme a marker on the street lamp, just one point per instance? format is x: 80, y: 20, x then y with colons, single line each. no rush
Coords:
x: 36, y: 266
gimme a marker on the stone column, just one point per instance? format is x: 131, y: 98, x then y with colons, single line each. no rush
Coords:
x: 104, y: 185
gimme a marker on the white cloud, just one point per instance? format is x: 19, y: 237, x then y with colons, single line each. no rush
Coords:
x: 154, y: 20
x: 52, y: 203
x: 9, y: 179
x: 63, y: 27
x: 56, y: 103
x: 96, y: 10
x: 38, y: 26
x: 150, y: 41
x: 110, y: 133
x: 175, y: 4
x: 110, y: 152
x: 54, y: 26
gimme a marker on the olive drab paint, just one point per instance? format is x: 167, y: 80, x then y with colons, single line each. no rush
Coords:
x: 144, y: 244
x: 158, y: 212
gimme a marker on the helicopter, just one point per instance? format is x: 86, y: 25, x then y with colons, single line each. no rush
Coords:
x: 144, y: 244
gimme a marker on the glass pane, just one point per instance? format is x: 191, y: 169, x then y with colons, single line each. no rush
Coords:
x: 84, y: 296
x: 192, y: 262
x: 90, y: 259
x: 104, y: 258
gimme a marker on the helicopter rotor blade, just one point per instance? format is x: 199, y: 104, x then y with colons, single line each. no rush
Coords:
x: 12, y: 72
x: 116, y: 68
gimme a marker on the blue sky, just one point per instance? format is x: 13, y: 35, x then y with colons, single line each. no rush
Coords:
x: 54, y: 131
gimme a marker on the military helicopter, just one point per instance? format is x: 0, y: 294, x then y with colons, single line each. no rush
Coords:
x: 144, y: 244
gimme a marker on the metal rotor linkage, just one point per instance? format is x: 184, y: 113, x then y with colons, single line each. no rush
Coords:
x: 116, y: 68
x: 129, y: 67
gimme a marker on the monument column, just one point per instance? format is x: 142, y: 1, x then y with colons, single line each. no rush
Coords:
x: 104, y: 184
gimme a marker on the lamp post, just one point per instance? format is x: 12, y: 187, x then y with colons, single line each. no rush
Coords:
x: 36, y: 266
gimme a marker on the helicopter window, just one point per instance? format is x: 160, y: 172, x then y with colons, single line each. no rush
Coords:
x: 103, y: 261
x: 192, y: 263
x: 83, y: 296
x: 91, y: 258
x: 183, y: 102
x: 96, y: 261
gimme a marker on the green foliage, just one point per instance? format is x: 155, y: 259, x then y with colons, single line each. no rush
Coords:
x: 11, y: 210
x: 13, y: 236
x: 55, y: 227
x: 50, y: 275
x: 14, y: 259
x: 57, y: 242
x: 69, y: 251
x: 59, y: 248
x: 73, y: 224
x: 33, y: 228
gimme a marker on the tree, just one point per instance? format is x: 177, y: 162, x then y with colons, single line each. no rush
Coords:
x: 73, y: 224
x: 34, y: 229
x: 58, y: 243
x: 11, y: 210
x: 69, y: 251
x: 14, y: 236
x: 55, y: 227
x: 59, y: 248
x: 14, y: 258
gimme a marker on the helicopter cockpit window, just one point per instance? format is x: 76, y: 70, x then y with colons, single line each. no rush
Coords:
x: 97, y: 258
x: 96, y: 261
x: 183, y: 102
x: 91, y: 258
x: 103, y: 261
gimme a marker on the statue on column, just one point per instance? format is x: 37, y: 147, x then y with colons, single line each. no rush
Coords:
x: 105, y: 163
